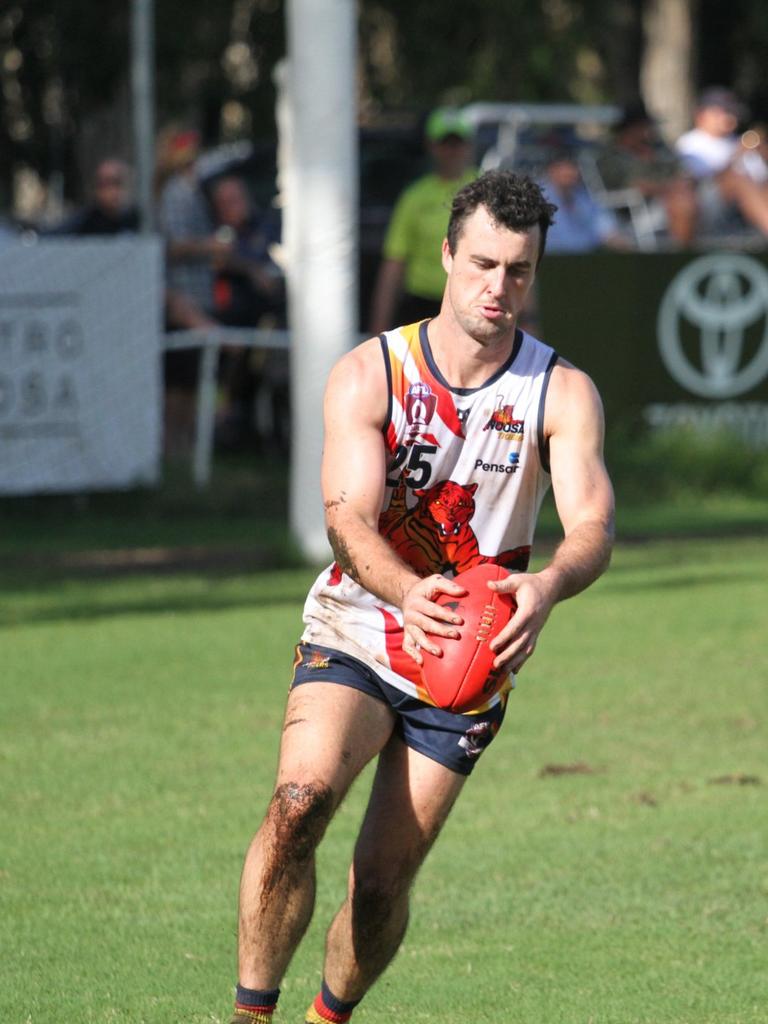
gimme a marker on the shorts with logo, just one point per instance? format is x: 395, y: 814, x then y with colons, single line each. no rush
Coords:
x: 455, y: 741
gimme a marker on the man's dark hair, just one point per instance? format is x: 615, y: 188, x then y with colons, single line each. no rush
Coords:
x: 514, y: 201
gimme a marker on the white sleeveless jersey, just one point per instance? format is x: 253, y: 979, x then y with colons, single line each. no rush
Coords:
x: 466, y: 473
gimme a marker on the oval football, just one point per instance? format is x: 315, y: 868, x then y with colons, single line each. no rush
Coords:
x: 463, y: 679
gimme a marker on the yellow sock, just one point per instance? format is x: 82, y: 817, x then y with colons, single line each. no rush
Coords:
x: 251, y: 1017
x: 252, y: 1006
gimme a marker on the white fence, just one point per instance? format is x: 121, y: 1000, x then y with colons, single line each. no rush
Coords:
x: 209, y: 341
x: 80, y: 378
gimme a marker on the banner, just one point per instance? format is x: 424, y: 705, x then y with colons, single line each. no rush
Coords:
x: 671, y: 340
x: 80, y: 365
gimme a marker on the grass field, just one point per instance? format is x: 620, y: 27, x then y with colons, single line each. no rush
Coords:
x: 607, y: 864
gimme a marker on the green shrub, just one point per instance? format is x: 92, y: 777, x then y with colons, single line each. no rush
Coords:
x: 664, y: 464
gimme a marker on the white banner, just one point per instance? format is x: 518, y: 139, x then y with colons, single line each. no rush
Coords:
x: 80, y: 365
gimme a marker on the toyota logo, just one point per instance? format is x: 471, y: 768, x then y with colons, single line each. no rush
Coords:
x: 722, y: 298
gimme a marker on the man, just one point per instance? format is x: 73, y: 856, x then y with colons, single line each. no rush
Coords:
x: 582, y: 224
x: 192, y: 248
x: 731, y: 172
x: 248, y: 284
x: 249, y: 291
x: 440, y: 438
x: 110, y: 211
x: 409, y: 283
x: 636, y: 158
x: 192, y: 251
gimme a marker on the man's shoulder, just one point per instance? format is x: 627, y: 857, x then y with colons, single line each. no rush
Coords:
x: 413, y: 192
x: 695, y: 138
x: 571, y: 394
x: 358, y: 381
x: 174, y: 187
x: 362, y: 361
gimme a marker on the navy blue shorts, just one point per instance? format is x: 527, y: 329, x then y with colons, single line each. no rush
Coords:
x: 455, y: 741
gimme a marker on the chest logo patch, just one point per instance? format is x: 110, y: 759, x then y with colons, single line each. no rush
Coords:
x: 420, y: 405
x: 506, y: 425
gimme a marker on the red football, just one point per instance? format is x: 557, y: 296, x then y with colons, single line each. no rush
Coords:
x: 463, y: 678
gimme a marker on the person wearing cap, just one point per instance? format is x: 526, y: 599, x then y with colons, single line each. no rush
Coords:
x: 732, y: 174
x: 712, y: 145
x: 410, y: 282
x: 193, y: 251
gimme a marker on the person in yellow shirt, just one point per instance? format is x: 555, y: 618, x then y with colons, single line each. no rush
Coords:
x: 410, y: 281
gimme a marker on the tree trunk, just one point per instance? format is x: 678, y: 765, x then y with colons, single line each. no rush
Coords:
x: 668, y: 72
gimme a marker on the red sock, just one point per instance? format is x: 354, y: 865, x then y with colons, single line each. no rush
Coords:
x: 327, y: 1009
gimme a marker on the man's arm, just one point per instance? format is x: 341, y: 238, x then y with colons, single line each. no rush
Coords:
x: 198, y: 250
x: 386, y: 294
x: 353, y: 485
x: 574, y: 427
x: 183, y: 312
x: 395, y: 255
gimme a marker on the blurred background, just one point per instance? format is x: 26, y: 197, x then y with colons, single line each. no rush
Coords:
x: 153, y: 271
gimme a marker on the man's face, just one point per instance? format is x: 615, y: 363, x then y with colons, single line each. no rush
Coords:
x: 638, y: 137
x: 111, y: 187
x: 490, y: 275
x: 451, y: 156
x: 231, y: 203
x: 564, y: 173
x: 717, y: 121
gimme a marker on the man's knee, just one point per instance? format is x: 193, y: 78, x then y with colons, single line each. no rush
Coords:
x: 298, y: 816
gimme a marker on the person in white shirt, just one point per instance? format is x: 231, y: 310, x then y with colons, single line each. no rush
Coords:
x: 730, y: 168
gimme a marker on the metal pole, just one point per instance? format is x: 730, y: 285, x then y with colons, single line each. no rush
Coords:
x: 143, y: 88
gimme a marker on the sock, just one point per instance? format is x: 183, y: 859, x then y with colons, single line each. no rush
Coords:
x: 327, y: 1008
x: 253, y: 1006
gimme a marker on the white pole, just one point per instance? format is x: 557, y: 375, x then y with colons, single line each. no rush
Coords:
x: 319, y: 142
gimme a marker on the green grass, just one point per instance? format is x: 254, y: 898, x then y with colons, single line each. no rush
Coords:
x: 243, y: 508
x: 139, y: 723
x: 243, y: 513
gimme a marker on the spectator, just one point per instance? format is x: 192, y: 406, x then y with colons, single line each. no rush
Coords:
x: 249, y: 291
x: 638, y: 159
x: 110, y: 211
x: 186, y: 224
x: 191, y: 251
x: 581, y: 223
x: 410, y: 282
x: 249, y: 284
x: 732, y: 176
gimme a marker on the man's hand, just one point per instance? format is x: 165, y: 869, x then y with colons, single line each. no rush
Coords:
x: 535, y: 595
x: 423, y: 617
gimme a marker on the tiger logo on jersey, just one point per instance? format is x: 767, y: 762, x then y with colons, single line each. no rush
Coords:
x: 436, y: 535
